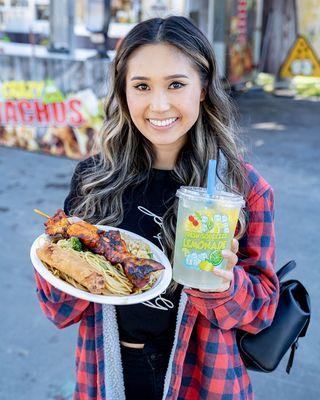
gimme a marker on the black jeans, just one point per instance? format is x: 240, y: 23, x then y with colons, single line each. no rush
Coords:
x: 144, y: 371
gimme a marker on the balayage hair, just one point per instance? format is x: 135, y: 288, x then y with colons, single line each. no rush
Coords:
x: 127, y: 157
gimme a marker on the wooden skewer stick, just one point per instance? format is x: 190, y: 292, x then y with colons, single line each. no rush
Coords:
x: 41, y: 213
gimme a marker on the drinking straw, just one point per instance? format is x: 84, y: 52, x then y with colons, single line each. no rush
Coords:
x: 211, y: 183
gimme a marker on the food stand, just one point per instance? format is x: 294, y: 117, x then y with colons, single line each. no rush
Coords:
x: 51, y: 88
x: 50, y: 104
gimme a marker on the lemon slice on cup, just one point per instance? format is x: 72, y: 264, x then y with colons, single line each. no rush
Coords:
x: 206, y: 265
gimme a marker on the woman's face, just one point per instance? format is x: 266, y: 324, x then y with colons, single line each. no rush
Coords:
x: 163, y: 92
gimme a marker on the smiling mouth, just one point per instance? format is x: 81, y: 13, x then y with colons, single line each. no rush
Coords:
x: 162, y: 123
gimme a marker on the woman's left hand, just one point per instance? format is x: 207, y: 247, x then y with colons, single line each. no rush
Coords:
x: 227, y: 273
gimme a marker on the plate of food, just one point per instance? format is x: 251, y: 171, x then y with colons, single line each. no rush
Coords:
x: 99, y: 263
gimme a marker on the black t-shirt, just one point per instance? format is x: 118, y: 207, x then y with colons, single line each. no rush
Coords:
x: 153, y: 321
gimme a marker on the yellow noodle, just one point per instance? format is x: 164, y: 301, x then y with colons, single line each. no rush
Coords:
x: 116, y: 281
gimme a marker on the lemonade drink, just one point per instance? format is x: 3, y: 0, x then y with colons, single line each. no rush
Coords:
x: 205, y: 226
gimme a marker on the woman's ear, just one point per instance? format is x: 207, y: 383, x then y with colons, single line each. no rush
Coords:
x: 203, y: 94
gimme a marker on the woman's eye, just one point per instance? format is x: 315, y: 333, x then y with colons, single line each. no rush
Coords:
x: 178, y: 83
x: 139, y: 86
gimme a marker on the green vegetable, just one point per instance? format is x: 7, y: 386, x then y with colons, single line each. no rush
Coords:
x: 75, y: 244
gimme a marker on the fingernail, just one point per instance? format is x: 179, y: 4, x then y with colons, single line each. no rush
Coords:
x: 224, y: 253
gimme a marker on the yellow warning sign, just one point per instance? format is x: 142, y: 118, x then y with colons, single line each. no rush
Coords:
x: 301, y: 60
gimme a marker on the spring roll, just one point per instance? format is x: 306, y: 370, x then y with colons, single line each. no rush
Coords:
x: 73, y: 265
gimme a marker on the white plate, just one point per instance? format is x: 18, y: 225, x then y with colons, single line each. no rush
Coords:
x: 161, y: 284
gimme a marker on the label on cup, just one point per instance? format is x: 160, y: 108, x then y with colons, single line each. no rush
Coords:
x: 205, y: 234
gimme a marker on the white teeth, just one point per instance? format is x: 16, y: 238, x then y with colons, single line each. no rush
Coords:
x: 162, y: 123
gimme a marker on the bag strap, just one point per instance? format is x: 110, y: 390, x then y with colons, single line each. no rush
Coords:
x: 291, y: 357
x: 283, y: 271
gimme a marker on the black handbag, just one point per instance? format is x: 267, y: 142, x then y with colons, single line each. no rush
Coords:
x: 263, y: 351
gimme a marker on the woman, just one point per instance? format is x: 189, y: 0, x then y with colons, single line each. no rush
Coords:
x: 166, y: 115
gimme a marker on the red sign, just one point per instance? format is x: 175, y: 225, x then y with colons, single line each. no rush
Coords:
x: 37, y: 113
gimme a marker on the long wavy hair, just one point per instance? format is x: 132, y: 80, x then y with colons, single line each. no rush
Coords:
x: 126, y: 157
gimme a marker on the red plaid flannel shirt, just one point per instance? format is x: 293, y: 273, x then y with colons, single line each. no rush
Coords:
x: 206, y: 364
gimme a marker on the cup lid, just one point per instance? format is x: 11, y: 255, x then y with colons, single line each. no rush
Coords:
x: 199, y: 193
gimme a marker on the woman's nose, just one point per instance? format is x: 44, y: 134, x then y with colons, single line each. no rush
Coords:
x: 159, y: 102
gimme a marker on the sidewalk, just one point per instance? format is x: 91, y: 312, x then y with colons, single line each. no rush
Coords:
x: 37, y: 359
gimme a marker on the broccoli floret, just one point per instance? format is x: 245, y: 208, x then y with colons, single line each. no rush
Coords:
x: 76, y: 244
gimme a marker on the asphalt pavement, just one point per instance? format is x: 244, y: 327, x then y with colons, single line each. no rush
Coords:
x: 37, y: 360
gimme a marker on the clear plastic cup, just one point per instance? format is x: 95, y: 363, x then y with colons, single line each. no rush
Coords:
x: 205, y: 226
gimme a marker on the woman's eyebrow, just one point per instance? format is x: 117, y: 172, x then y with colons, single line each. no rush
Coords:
x: 145, y: 78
